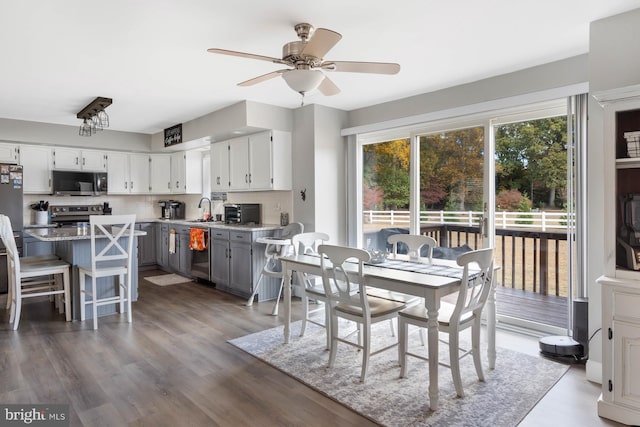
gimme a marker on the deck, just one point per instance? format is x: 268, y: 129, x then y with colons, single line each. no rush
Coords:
x: 547, y: 309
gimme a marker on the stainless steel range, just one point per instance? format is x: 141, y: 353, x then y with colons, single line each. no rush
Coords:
x: 73, y: 214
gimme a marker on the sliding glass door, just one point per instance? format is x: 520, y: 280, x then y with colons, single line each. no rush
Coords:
x: 497, y: 180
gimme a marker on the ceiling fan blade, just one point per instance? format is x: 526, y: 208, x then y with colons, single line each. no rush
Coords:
x: 321, y: 42
x: 361, y: 67
x: 328, y: 88
x: 247, y: 55
x: 262, y: 78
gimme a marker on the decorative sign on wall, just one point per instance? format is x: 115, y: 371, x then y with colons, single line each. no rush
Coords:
x: 173, y: 135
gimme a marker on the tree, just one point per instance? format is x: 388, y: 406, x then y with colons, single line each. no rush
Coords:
x: 386, y: 166
x: 532, y: 155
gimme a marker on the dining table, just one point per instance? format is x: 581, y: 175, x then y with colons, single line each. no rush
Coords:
x: 430, y: 281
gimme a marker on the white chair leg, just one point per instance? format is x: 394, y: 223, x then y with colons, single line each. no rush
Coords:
x: 454, y: 360
x: 94, y: 292
x: 67, y: 295
x: 83, y: 296
x: 334, y: 340
x: 393, y: 330
x: 121, y: 291
x: 17, y: 309
x: 403, y: 333
x: 366, y: 350
x: 475, y: 349
x: 129, y: 308
x: 422, y: 337
x: 327, y: 323
x: 255, y: 291
x: 274, y: 312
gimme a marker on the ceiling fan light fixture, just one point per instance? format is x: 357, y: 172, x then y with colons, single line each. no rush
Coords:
x: 303, y: 81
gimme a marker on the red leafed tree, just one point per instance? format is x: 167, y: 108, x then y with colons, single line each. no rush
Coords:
x: 372, y: 198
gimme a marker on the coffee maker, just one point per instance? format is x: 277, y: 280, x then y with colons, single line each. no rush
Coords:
x: 171, y: 209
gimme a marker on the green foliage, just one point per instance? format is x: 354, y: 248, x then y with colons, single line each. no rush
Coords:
x: 524, y: 206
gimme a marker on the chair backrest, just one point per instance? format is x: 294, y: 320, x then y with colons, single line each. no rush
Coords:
x: 475, y: 291
x: 113, y: 227
x: 414, y: 243
x: 307, y: 243
x: 341, y: 278
x: 9, y: 241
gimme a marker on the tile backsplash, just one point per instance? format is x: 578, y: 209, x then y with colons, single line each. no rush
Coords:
x: 146, y: 207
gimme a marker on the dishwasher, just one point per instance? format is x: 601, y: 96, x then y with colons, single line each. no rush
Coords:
x: 200, y: 257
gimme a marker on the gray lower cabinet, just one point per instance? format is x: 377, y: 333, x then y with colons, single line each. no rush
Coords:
x: 219, y: 252
x: 237, y: 260
x: 32, y: 246
x: 147, y: 244
x: 180, y: 260
x: 162, y: 245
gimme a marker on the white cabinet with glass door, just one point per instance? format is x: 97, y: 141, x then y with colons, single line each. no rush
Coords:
x: 37, y: 162
x: 160, y: 175
x: 8, y: 153
x: 76, y: 159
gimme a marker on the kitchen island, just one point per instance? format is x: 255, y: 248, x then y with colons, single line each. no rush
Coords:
x: 73, y: 245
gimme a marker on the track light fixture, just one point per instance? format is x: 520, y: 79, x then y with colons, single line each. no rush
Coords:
x: 94, y: 117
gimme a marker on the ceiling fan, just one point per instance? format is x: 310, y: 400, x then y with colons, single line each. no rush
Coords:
x: 306, y: 57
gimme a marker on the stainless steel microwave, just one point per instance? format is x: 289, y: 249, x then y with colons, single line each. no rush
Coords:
x: 78, y: 183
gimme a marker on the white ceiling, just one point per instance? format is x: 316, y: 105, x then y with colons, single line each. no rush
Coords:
x: 150, y: 55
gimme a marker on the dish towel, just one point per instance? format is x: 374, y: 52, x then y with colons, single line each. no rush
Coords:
x: 172, y: 241
x: 196, y: 239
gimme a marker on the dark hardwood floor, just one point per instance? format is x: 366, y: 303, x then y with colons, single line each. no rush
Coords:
x: 174, y: 367
x: 171, y: 367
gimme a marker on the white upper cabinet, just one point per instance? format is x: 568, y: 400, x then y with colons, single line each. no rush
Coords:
x: 75, y: 159
x: 8, y: 153
x: 260, y: 162
x: 128, y: 173
x: 160, y: 175
x: 220, y: 166
x: 37, y: 162
x: 139, y: 173
x: 186, y: 172
x: 239, y: 174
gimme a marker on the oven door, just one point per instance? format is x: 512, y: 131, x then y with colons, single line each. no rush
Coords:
x: 200, y: 260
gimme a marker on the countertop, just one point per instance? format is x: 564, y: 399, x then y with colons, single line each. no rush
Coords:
x: 214, y: 224
x: 66, y: 233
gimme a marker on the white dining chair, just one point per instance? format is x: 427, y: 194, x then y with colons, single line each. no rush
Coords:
x: 357, y: 306
x: 475, y: 288
x: 35, y: 277
x: 309, y: 288
x: 272, y: 266
x: 413, y: 243
x: 113, y: 259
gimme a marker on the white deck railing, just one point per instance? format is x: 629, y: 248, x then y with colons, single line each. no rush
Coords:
x: 543, y: 220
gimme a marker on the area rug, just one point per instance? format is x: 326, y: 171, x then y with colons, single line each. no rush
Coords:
x: 167, y: 279
x: 505, y: 397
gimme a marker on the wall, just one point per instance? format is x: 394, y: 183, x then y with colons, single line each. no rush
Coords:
x: 51, y: 134
x: 557, y: 74
x: 614, y: 62
x: 245, y: 117
x: 319, y: 170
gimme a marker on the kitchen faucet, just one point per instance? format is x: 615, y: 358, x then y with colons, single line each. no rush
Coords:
x: 200, y: 205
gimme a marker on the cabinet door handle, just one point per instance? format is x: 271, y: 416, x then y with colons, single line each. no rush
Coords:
x: 76, y: 160
x: 131, y: 185
x: 249, y: 178
x: 246, y: 178
x: 83, y: 161
x: 177, y: 184
x: 169, y: 185
x: 125, y: 185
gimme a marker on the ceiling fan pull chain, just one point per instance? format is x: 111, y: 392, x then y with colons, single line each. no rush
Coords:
x: 302, y: 101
